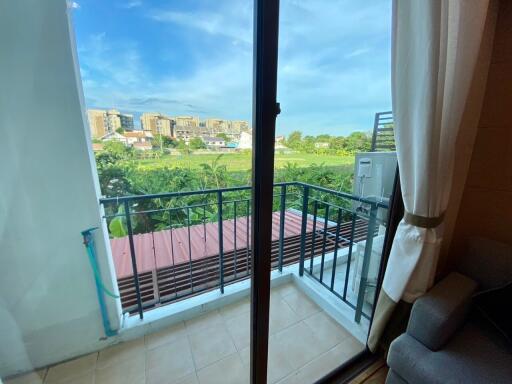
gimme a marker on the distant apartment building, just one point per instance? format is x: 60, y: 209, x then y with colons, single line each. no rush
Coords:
x: 116, y: 120
x: 216, y: 126
x: 231, y: 128
x: 187, y: 127
x: 239, y: 126
x: 102, y: 122
x: 187, y: 121
x: 187, y: 133
x: 158, y: 124
x: 97, y: 122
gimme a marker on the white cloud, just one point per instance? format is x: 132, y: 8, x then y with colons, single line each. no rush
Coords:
x: 231, y: 19
x: 357, y: 52
x: 120, y: 64
x: 73, y: 5
x: 131, y: 4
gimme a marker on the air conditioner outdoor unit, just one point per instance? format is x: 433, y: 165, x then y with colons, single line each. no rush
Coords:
x: 374, y: 176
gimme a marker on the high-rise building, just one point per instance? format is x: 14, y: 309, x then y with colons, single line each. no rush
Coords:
x: 118, y: 120
x: 187, y: 121
x: 239, y: 126
x: 157, y: 123
x: 97, y: 122
x: 102, y: 122
x: 216, y: 126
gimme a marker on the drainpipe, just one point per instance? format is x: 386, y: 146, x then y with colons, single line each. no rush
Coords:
x: 101, y: 290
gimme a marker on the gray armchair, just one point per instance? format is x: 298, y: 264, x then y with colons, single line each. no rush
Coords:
x: 443, y: 342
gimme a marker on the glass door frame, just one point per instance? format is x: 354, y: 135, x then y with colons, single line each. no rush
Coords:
x: 265, y: 110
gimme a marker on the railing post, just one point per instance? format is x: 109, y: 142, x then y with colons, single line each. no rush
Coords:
x: 336, y: 244
x: 366, y: 261
x: 221, y: 241
x: 313, y: 237
x: 281, y: 226
x: 189, y: 251
x: 349, y: 257
x: 305, y: 197
x: 326, y: 223
x: 234, y: 238
x: 134, y: 260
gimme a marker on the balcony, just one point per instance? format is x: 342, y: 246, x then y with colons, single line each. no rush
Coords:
x: 179, y: 245
x: 183, y: 265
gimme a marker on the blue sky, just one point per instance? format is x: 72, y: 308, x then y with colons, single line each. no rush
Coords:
x: 195, y: 58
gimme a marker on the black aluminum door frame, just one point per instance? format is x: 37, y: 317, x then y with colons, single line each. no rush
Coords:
x: 265, y: 110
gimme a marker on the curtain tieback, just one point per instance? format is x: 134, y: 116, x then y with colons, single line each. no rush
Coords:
x: 423, y: 221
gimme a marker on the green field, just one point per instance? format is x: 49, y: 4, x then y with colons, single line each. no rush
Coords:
x: 237, y: 162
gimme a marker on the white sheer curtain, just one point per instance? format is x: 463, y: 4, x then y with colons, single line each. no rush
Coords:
x: 435, y: 50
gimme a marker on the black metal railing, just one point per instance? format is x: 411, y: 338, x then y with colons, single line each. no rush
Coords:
x: 204, y: 239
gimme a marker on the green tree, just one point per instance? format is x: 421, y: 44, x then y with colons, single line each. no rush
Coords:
x: 323, y: 138
x: 358, y: 142
x: 294, y: 140
x: 196, y: 143
x: 167, y: 142
x: 223, y: 136
x: 113, y: 152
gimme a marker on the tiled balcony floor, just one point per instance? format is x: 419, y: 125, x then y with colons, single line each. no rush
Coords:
x: 304, y: 344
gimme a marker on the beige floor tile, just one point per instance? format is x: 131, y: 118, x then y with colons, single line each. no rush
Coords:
x: 286, y: 289
x: 121, y: 352
x: 300, y: 345
x: 236, y: 309
x: 326, y: 330
x: 301, y: 304
x: 207, y: 320
x: 166, y: 335
x: 290, y: 379
x: 35, y: 377
x: 350, y: 346
x: 326, y: 362
x: 189, y: 379
x: 278, y: 364
x: 169, y: 363
x: 127, y: 371
x: 210, y: 345
x: 71, y: 369
x: 84, y: 378
x: 229, y: 370
x: 239, y: 329
x: 281, y: 316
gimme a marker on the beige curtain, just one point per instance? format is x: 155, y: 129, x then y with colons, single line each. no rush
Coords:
x: 435, y: 49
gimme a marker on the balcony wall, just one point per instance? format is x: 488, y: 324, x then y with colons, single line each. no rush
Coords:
x: 48, y: 306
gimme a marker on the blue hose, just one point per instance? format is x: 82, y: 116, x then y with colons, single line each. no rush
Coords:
x: 100, y: 287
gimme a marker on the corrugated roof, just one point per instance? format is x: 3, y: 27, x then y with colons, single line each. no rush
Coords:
x: 165, y: 248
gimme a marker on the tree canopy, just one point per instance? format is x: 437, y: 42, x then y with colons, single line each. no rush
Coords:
x: 343, y: 145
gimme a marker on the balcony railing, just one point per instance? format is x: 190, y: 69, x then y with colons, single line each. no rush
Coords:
x: 171, y: 246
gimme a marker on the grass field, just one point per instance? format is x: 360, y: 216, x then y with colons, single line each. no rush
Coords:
x: 242, y: 161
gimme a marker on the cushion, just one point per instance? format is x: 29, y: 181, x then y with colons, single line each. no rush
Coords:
x: 438, y: 314
x: 494, y: 306
x: 470, y: 357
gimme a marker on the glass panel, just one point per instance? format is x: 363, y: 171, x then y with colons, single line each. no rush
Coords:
x: 334, y: 76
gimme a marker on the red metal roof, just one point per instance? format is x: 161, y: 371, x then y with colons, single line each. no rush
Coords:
x: 154, y: 251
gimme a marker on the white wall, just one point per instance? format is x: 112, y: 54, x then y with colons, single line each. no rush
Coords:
x: 48, y: 194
